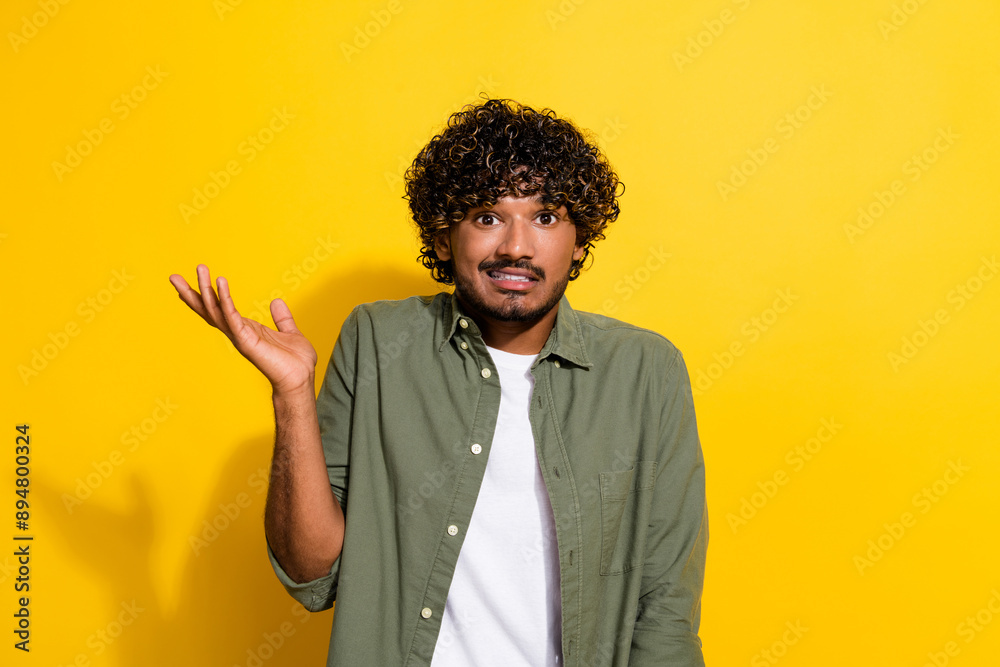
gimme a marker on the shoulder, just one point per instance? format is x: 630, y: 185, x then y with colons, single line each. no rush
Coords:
x: 394, y: 308
x: 603, y: 335
x: 645, y: 358
x: 397, y: 319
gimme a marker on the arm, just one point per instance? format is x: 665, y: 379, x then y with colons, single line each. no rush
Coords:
x: 303, y: 521
x: 333, y: 410
x: 669, y: 612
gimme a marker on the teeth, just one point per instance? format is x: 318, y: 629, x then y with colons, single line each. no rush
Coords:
x: 508, y: 276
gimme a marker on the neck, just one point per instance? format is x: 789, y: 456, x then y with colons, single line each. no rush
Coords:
x: 515, y: 337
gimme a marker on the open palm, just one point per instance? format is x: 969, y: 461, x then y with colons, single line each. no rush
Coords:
x: 284, y: 356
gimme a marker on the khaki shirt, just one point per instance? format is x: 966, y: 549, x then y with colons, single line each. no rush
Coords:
x: 407, y: 412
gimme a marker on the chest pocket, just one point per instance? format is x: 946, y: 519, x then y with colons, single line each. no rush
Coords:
x: 626, y: 498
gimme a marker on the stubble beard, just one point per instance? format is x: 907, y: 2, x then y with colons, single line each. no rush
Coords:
x: 513, y: 308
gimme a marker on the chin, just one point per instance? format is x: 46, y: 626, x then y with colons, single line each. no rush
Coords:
x: 512, y: 308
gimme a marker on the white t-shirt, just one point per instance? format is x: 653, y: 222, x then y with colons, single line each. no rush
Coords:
x: 504, y: 607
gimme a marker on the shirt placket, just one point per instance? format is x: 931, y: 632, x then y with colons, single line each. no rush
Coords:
x: 553, y: 460
x: 482, y: 377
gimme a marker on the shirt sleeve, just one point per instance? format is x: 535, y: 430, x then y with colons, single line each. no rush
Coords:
x: 334, y: 408
x: 315, y: 595
x: 669, y: 610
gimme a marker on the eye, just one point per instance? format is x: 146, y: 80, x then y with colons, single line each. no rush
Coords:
x: 487, y: 219
x: 548, y: 218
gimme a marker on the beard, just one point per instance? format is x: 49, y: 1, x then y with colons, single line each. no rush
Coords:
x: 513, y: 308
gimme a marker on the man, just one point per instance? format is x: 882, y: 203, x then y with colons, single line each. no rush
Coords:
x: 522, y: 483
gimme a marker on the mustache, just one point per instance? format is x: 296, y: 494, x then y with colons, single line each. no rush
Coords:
x: 524, y: 265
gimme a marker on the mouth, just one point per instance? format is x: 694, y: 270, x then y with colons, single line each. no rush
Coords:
x: 512, y: 279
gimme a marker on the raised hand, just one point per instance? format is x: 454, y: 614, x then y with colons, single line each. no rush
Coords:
x: 284, y: 356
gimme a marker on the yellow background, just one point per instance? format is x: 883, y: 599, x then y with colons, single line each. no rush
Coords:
x: 679, y: 94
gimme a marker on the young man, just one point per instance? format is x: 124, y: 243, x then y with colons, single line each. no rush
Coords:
x: 522, y: 483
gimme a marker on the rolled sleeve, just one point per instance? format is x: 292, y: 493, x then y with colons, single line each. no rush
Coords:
x: 315, y: 595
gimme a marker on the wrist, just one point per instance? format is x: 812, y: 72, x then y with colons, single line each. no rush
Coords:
x: 299, y: 393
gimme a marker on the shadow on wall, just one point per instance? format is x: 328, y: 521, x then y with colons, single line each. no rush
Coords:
x: 232, y: 609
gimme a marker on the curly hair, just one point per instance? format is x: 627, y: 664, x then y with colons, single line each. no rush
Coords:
x: 500, y: 148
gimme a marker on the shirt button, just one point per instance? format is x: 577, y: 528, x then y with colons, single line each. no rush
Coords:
x: 463, y: 323
x: 476, y: 448
x: 453, y: 530
x: 464, y: 345
x: 426, y: 612
x: 486, y: 373
x: 557, y: 363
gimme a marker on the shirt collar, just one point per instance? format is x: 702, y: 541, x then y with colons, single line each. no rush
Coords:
x: 565, y: 341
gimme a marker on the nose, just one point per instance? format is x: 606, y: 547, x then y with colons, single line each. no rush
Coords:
x: 517, y: 240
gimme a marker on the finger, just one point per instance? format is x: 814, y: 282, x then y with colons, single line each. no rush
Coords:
x: 189, y: 296
x: 211, y: 301
x: 229, y: 312
x: 282, y: 317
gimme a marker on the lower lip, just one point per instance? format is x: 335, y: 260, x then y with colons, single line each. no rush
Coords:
x: 517, y: 285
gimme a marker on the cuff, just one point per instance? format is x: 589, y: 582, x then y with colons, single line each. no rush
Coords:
x: 315, y: 595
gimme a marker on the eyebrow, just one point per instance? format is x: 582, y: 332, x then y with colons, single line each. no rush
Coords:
x: 541, y: 206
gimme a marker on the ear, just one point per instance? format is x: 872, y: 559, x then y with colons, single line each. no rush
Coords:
x: 577, y: 252
x: 442, y: 245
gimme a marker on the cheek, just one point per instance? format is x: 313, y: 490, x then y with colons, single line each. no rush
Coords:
x: 466, y: 266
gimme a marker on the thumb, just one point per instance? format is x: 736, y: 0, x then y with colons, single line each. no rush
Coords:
x: 282, y: 317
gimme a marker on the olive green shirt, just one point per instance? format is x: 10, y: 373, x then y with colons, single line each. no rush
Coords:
x: 407, y: 412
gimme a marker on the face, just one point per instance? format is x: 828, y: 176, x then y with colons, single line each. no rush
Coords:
x: 511, y: 262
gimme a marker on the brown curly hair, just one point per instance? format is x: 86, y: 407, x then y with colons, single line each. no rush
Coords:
x: 500, y: 148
